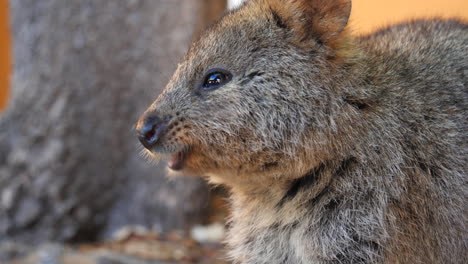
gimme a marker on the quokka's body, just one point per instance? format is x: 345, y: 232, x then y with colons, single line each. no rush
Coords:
x: 336, y: 149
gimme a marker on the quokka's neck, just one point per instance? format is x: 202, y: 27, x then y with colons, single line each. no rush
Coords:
x: 314, y: 188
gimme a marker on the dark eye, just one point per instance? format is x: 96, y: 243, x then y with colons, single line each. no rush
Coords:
x: 216, y: 78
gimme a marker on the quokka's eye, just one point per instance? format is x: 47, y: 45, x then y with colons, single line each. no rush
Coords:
x: 216, y: 78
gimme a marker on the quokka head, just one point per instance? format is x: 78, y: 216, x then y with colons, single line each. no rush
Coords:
x: 255, y: 92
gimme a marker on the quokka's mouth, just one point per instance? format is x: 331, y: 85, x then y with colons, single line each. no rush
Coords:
x: 177, y: 160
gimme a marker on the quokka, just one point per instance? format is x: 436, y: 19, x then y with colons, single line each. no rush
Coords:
x: 336, y: 148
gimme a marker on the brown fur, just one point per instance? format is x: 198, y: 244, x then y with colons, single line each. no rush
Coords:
x: 337, y: 149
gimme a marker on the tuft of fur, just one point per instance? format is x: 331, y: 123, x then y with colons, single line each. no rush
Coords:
x: 337, y: 149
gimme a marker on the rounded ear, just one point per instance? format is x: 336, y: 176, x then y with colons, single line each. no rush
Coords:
x: 321, y: 20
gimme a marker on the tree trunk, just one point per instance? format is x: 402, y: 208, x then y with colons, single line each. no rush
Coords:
x: 84, y: 70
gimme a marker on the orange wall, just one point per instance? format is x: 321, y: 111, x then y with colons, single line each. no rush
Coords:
x: 367, y: 15
x: 4, y: 53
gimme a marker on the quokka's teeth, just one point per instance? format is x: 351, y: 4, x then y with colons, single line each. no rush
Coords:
x: 177, y: 161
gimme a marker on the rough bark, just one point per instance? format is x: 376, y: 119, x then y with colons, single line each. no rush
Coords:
x: 84, y: 70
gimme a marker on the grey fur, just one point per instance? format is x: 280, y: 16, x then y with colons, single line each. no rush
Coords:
x: 337, y: 149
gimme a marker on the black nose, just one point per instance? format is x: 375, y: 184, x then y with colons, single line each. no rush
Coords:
x: 150, y: 130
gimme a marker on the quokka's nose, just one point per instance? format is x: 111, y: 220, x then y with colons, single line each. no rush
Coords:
x: 150, y: 130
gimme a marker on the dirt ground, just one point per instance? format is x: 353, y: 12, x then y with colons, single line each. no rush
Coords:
x: 132, y: 249
x: 134, y: 245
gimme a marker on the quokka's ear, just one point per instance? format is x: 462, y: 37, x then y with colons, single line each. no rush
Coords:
x: 320, y: 20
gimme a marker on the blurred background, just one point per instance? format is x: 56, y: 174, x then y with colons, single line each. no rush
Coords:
x: 74, y: 77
